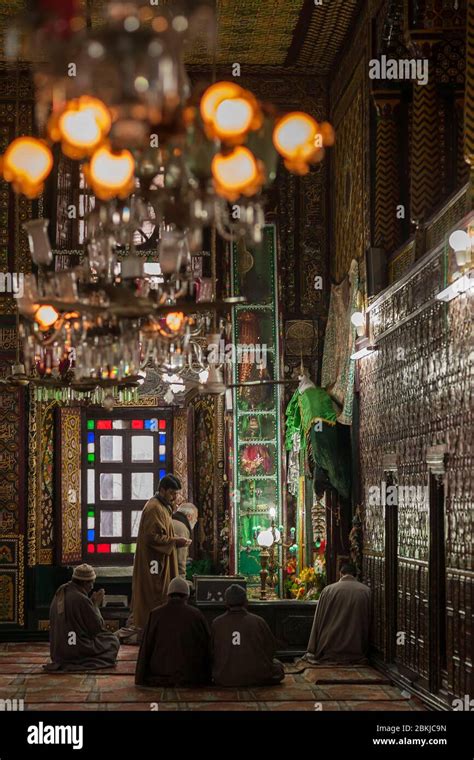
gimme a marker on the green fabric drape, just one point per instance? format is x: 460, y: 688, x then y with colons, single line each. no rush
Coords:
x: 304, y: 410
x: 331, y: 460
x: 324, y: 446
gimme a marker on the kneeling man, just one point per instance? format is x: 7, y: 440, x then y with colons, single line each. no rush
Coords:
x: 243, y: 647
x: 78, y: 638
x: 340, y: 633
x: 175, y: 648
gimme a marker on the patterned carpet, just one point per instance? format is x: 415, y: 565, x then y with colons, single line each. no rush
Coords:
x: 305, y: 687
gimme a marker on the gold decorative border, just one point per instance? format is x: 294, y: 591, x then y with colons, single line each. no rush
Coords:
x: 70, y: 453
x: 180, y: 451
x: 33, y: 504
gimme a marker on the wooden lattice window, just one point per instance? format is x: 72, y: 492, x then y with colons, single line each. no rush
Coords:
x: 124, y: 455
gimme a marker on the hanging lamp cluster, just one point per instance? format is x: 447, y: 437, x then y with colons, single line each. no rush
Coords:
x: 152, y: 151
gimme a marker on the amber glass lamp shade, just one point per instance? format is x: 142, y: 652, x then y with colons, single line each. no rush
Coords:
x: 111, y: 174
x: 26, y: 163
x: 46, y: 316
x: 237, y: 173
x: 81, y: 127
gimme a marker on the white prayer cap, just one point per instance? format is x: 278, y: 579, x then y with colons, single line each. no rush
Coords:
x: 84, y: 573
x: 178, y: 586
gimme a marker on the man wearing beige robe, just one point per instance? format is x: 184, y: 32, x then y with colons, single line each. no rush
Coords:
x: 156, y: 562
x: 184, y: 522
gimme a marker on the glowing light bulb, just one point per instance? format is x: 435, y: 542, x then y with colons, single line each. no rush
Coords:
x: 214, y: 95
x: 237, y: 173
x: 26, y: 163
x: 459, y: 240
x: 294, y: 134
x: 233, y: 118
x: 265, y: 539
x: 358, y: 319
x: 46, y: 316
x: 81, y: 127
x: 111, y: 174
x: 301, y: 140
x: 174, y: 320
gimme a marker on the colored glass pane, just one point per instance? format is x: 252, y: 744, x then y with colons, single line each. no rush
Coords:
x: 142, y: 486
x: 110, y: 486
x: 142, y: 448
x: 120, y: 424
x: 162, y: 438
x: 91, y: 486
x: 103, y: 548
x: 110, y: 523
x: 162, y: 424
x: 91, y: 535
x: 137, y: 424
x: 162, y: 458
x: 91, y: 548
x: 90, y: 437
x: 162, y: 473
x: 91, y: 513
x: 104, y: 425
x: 135, y: 522
x: 111, y: 448
x: 91, y: 457
x: 90, y: 424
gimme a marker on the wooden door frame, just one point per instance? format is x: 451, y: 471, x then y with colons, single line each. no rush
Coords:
x: 435, y: 460
x: 390, y: 477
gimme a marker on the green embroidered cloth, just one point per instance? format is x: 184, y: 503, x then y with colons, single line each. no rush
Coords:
x: 330, y: 459
x: 304, y: 410
x: 328, y: 451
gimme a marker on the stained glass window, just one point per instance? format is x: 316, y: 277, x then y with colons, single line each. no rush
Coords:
x: 125, y: 454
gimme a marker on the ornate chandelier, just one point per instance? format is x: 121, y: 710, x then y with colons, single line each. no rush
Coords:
x: 152, y: 151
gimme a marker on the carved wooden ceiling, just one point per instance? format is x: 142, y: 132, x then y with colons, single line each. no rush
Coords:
x: 295, y: 34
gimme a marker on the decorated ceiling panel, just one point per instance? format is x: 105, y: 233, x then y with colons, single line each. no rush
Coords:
x: 280, y: 33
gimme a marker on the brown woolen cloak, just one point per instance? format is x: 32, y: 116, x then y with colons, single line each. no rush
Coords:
x: 243, y: 650
x: 340, y: 632
x: 175, y: 648
x: 155, y: 544
x: 73, y: 612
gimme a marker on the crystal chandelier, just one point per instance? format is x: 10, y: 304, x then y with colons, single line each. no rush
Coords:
x: 152, y: 151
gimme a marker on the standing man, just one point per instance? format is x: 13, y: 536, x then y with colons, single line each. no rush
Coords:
x: 340, y: 633
x: 184, y: 522
x: 156, y: 562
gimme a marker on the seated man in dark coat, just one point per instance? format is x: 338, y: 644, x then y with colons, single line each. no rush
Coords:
x: 175, y: 648
x: 243, y: 647
x: 78, y: 638
x: 340, y: 633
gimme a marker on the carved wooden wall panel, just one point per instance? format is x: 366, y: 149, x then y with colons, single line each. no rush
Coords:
x: 70, y: 486
x: 205, y: 427
x: 182, y: 454
x: 349, y: 96
x: 12, y: 501
x: 16, y: 118
x: 414, y: 394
